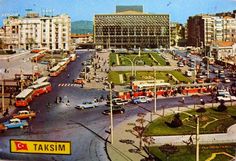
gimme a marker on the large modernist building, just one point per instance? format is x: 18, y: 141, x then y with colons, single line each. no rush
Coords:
x: 130, y: 27
x: 34, y: 31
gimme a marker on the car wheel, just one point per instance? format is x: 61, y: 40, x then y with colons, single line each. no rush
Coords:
x: 21, y: 127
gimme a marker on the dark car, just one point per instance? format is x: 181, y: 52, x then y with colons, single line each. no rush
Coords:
x: 115, y: 110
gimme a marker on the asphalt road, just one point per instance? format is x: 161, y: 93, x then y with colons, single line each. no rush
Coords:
x: 84, y: 128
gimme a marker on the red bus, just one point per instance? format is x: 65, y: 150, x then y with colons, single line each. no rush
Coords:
x: 41, y: 88
x: 63, y: 65
x: 24, y: 97
x: 41, y: 80
x: 55, y: 71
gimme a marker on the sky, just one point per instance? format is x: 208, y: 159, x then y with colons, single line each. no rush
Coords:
x: 179, y: 10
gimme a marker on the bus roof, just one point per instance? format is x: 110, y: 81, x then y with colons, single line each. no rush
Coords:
x: 24, y: 93
x: 39, y: 85
x: 62, y: 63
x: 146, y: 85
x: 55, y: 68
x: 40, y: 80
x: 65, y: 59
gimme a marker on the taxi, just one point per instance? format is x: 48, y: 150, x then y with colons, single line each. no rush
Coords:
x: 24, y: 114
x: 79, y: 81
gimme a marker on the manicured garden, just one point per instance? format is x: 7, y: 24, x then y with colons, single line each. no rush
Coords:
x: 151, y: 59
x: 219, y: 152
x: 211, y: 121
x: 149, y: 75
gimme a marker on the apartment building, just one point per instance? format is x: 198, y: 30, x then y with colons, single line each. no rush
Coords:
x: 10, y: 32
x: 177, y: 31
x: 34, y: 31
x: 204, y: 29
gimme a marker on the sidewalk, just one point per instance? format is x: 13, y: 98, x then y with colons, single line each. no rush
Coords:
x: 125, y: 152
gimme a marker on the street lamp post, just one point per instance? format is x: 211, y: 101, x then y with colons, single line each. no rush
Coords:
x: 3, y: 103
x: 197, y: 133
x: 155, y: 92
x: 197, y: 139
x: 132, y: 64
x: 111, y: 113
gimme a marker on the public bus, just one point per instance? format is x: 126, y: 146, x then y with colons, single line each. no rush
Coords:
x: 24, y: 98
x: 41, y: 80
x: 72, y: 57
x: 62, y: 65
x: 165, y: 89
x: 38, y: 56
x: 66, y: 60
x: 55, y: 71
x: 41, y: 88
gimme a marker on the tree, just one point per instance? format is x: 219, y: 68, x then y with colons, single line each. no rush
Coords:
x: 221, y: 107
x: 176, y: 122
x: 168, y: 149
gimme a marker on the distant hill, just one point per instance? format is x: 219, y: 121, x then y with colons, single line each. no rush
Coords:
x: 82, y: 27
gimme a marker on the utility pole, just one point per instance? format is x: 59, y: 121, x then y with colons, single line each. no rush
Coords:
x: 111, y: 113
x: 155, y: 92
x: 3, y: 103
x: 208, y: 74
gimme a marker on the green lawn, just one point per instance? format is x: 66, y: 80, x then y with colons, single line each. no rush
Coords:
x: 224, y: 120
x: 143, y: 59
x: 112, y: 59
x: 186, y: 154
x: 149, y: 75
x: 160, y: 60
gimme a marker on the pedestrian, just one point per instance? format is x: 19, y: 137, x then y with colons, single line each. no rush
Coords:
x: 28, y: 107
x: 68, y: 75
x: 68, y: 102
x: 183, y: 99
x: 6, y: 113
x: 202, y: 101
x: 60, y: 99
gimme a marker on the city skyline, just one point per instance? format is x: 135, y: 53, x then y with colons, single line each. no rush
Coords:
x: 85, y: 10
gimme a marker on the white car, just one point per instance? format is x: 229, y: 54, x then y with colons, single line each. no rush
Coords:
x: 142, y: 99
x: 226, y: 80
x: 87, y: 104
x: 225, y: 96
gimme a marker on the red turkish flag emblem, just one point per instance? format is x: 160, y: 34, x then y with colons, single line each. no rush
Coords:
x: 21, y: 146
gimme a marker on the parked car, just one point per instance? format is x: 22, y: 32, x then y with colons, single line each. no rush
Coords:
x: 115, y: 110
x: 141, y: 99
x: 221, y: 75
x: 226, y: 80
x: 2, y: 128
x: 217, y: 80
x: 216, y: 71
x: 15, y: 123
x: 200, y: 80
x: 225, y: 96
x: 24, y: 114
x: 87, y: 104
